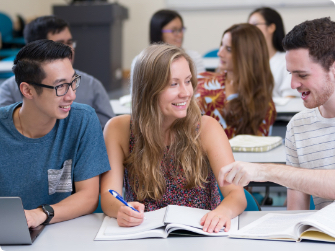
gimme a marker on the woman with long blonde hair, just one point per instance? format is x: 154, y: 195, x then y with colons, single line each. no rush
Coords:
x: 165, y: 152
x: 240, y: 96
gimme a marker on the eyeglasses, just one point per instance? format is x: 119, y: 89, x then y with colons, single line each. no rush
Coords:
x: 70, y: 43
x: 175, y: 31
x: 62, y: 89
x: 260, y: 24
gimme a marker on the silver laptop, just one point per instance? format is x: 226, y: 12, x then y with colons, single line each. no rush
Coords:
x: 13, y: 224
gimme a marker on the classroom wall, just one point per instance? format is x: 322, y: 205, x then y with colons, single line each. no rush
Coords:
x: 204, y: 28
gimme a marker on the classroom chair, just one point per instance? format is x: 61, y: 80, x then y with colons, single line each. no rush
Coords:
x: 252, y: 204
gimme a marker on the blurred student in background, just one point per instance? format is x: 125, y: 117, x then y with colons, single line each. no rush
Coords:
x: 167, y: 26
x: 271, y: 25
x: 240, y: 96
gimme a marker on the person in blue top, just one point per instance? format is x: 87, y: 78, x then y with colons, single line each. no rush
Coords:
x: 52, y: 149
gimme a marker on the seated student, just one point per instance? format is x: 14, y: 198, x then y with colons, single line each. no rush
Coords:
x: 91, y: 92
x: 310, y: 134
x: 52, y: 149
x: 167, y: 26
x: 166, y: 152
x: 271, y: 25
x: 240, y: 96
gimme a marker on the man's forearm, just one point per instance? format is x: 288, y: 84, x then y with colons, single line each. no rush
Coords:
x: 315, y: 182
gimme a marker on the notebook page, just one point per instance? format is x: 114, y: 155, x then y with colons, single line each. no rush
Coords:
x: 153, y: 219
x: 272, y: 226
x: 184, y: 215
x: 324, y: 219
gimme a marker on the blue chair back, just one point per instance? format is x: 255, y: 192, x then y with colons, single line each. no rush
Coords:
x: 211, y: 54
x: 311, y: 204
x: 252, y: 204
x: 99, y: 209
x: 6, y: 28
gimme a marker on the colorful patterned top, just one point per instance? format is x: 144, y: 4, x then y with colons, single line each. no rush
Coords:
x: 212, y: 98
x: 205, y: 198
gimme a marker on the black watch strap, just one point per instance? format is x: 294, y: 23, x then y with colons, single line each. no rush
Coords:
x: 49, y: 211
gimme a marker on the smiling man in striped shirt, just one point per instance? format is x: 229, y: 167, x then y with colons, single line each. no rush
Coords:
x: 310, y: 136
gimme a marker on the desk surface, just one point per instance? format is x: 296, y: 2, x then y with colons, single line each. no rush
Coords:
x: 292, y: 107
x: 78, y: 234
x: 6, y: 66
x: 276, y: 155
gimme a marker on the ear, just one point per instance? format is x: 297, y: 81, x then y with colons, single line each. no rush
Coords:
x: 272, y: 28
x: 27, y: 90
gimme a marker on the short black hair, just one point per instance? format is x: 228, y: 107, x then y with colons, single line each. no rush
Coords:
x: 158, y: 21
x: 41, y: 26
x: 273, y: 17
x: 318, y: 36
x: 27, y: 64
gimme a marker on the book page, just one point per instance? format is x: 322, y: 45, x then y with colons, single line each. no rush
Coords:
x: 184, y: 215
x: 173, y: 227
x: 152, y: 220
x: 272, y: 226
x: 158, y: 232
x: 324, y: 220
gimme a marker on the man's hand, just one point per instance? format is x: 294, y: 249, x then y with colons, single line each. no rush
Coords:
x: 35, y: 217
x: 241, y: 173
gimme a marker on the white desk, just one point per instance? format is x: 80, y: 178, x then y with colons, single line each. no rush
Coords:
x: 276, y: 155
x: 294, y: 106
x: 6, y: 66
x: 78, y: 234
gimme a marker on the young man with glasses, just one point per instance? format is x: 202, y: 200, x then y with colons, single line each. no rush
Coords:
x: 91, y: 92
x: 52, y: 149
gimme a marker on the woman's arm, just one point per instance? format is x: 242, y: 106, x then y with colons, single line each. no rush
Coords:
x: 217, y: 147
x: 116, y: 135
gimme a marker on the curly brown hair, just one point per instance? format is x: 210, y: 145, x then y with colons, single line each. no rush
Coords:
x: 318, y: 36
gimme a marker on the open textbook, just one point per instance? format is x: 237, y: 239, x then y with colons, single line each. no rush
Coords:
x: 318, y: 226
x: 159, y: 224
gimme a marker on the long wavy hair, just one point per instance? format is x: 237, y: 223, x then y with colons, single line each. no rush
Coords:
x: 144, y: 164
x: 253, y: 80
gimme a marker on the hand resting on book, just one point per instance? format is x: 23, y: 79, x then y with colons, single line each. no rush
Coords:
x: 214, y: 220
x: 126, y: 217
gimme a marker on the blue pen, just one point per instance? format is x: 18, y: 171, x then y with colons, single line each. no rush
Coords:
x: 119, y: 197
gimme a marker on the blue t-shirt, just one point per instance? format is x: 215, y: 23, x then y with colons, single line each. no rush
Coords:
x: 43, y: 170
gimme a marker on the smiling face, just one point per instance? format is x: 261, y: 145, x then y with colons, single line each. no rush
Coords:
x: 225, y: 53
x: 173, y: 38
x: 310, y: 79
x: 174, y: 100
x: 47, y: 103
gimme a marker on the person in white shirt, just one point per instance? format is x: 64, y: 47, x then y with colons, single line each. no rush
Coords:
x: 270, y: 23
x: 310, y: 134
x: 167, y: 26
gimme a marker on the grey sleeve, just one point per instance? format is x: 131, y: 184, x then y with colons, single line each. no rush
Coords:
x: 101, y: 103
x: 9, y: 92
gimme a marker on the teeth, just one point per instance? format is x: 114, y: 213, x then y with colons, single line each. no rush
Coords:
x: 179, y: 104
x: 65, y: 107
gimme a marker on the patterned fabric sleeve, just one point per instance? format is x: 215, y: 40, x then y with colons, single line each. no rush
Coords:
x: 211, y: 98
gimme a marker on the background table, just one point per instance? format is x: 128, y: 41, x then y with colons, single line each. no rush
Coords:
x: 78, y: 234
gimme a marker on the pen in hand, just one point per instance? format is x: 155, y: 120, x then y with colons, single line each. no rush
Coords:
x: 119, y: 197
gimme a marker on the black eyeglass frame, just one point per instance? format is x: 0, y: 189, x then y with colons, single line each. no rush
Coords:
x: 56, y: 87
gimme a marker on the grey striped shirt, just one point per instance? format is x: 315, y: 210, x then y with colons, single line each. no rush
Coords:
x: 310, y: 143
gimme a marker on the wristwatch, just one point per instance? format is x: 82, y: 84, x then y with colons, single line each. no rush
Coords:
x: 49, y: 211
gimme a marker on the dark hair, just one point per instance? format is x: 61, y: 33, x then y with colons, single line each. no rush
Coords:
x: 273, y: 17
x: 158, y: 21
x: 252, y: 79
x: 41, y: 26
x: 27, y: 64
x: 318, y: 36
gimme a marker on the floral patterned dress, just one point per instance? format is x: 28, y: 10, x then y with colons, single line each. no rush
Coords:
x: 211, y: 98
x: 175, y: 193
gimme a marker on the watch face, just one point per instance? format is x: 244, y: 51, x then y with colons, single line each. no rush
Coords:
x: 49, y: 210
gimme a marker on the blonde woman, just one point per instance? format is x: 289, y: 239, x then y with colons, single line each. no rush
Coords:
x: 166, y: 152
